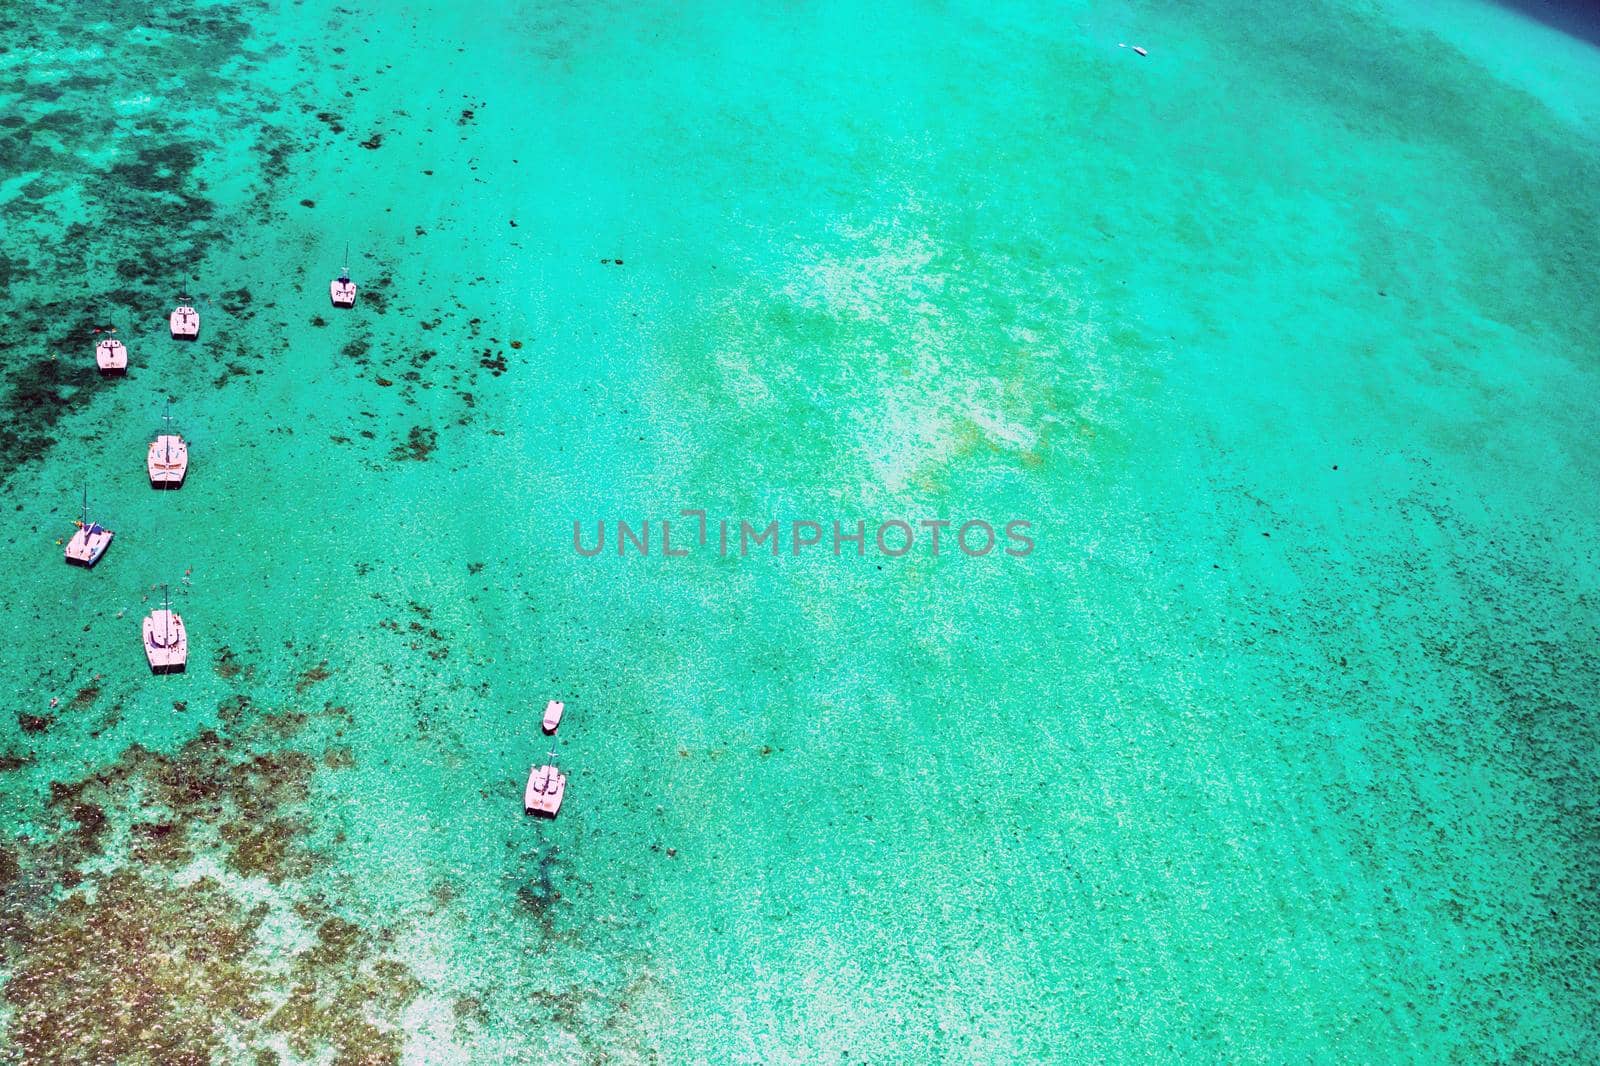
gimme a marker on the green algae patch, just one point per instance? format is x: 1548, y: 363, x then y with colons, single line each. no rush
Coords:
x: 228, y: 665
x: 117, y: 951
x: 418, y: 447
x: 138, y: 973
x: 11, y: 761
x: 143, y: 971
x: 317, y: 673
x: 39, y: 395
x: 249, y: 804
x: 139, y: 961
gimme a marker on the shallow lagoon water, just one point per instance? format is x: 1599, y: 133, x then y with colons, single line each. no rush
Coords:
x: 1279, y: 746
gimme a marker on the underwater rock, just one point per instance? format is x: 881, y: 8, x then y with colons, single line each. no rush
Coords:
x: 419, y: 446
x: 310, y: 677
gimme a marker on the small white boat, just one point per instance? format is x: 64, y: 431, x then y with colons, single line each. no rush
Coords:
x: 91, y: 540
x: 111, y: 356
x: 546, y: 787
x: 341, y: 288
x: 343, y: 291
x: 166, y: 642
x: 552, y: 715
x: 168, y: 458
x: 185, y: 321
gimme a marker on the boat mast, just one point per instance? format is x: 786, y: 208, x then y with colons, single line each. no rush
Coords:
x: 344, y: 274
x: 86, y: 512
x: 166, y: 609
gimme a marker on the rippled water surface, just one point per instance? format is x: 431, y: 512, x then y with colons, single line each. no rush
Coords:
x: 1280, y: 745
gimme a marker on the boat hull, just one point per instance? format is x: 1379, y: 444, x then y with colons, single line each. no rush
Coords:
x: 111, y: 357
x: 167, y: 462
x: 166, y: 643
x: 343, y: 293
x: 547, y: 786
x: 185, y: 324
x: 84, y: 550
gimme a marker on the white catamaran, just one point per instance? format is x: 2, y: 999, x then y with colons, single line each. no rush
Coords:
x: 168, y: 459
x: 166, y: 641
x: 90, y: 541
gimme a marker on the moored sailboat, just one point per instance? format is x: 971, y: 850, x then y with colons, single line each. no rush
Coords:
x: 184, y: 320
x: 166, y: 641
x: 168, y: 458
x: 111, y: 356
x: 90, y: 541
x: 546, y: 787
x: 341, y: 288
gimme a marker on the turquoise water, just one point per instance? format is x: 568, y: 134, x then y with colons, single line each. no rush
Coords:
x: 1279, y: 746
